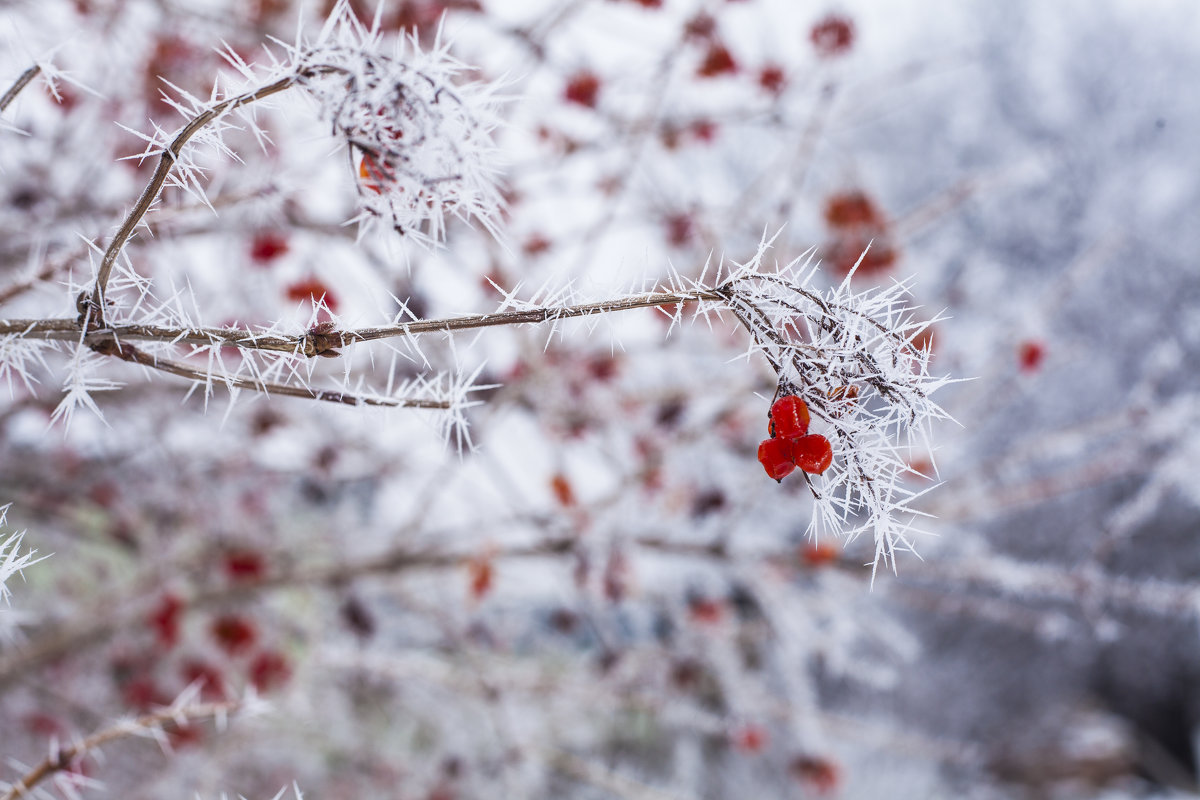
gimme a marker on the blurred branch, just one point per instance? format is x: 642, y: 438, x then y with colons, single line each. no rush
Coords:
x: 150, y: 724
x: 21, y: 82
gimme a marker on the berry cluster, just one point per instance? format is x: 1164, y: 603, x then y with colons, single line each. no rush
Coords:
x: 791, y: 445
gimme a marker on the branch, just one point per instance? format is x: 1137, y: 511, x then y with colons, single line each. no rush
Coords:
x: 21, y: 82
x: 165, y: 162
x: 319, y: 342
x: 64, y: 758
x: 126, y: 352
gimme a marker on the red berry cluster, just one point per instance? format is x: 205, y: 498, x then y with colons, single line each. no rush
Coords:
x: 791, y: 445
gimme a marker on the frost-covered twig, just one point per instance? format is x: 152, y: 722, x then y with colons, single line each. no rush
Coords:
x: 424, y: 138
x: 155, y: 726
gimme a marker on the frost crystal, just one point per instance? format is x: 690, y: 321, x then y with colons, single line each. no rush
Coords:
x: 422, y: 139
x: 857, y: 361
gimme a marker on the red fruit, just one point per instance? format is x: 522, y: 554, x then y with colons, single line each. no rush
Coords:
x: 583, y: 89
x: 750, y: 738
x: 482, y: 575
x: 852, y: 209
x: 267, y: 247
x: 772, y: 79
x: 165, y: 620
x: 269, y: 670
x: 717, y: 61
x: 821, y: 774
x: 706, y: 611
x: 812, y: 453
x: 233, y: 633
x: 246, y: 565
x: 1030, y: 355
x: 818, y: 554
x: 789, y: 417
x: 832, y: 36
x: 312, y: 289
x: 776, y: 457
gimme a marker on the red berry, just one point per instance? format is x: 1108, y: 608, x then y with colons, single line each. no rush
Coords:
x: 852, y: 209
x: 821, y: 774
x: 1030, y: 355
x: 267, y: 247
x: 269, y: 670
x: 776, y: 457
x: 234, y: 634
x: 832, y: 36
x: 313, y: 290
x: 789, y: 417
x: 750, y: 738
x: 583, y: 89
x: 812, y: 453
x: 717, y: 61
x: 772, y: 78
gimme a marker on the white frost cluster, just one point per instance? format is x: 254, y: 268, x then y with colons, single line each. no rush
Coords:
x: 851, y: 356
x: 420, y: 137
x: 12, y: 560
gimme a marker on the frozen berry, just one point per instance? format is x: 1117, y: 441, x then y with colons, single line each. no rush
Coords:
x: 789, y: 417
x: 812, y: 453
x: 776, y: 457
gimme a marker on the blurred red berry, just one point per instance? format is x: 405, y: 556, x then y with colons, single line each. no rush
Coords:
x: 821, y: 774
x: 832, y: 36
x: 313, y: 290
x: 208, y: 676
x: 482, y: 576
x: 244, y: 565
x: 563, y: 492
x: 680, y: 229
x: 818, y: 554
x: 717, y: 61
x: 269, y: 670
x: 164, y: 620
x: 772, y: 79
x: 852, y: 209
x: 267, y: 246
x: 583, y: 88
x: 1030, y: 355
x: 702, y: 26
x: 535, y: 245
x: 234, y: 634
x: 704, y: 130
x: 812, y: 453
x: 706, y: 611
x: 776, y: 457
x: 750, y: 738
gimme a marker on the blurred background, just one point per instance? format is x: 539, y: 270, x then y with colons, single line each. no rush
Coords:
x: 607, y: 597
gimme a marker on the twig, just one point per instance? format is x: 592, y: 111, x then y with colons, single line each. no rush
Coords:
x: 64, y: 758
x: 314, y: 343
x: 132, y: 354
x: 165, y: 162
x: 21, y: 82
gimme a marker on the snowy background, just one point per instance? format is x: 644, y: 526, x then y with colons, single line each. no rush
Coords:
x: 607, y: 597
